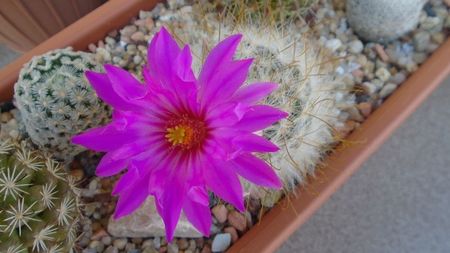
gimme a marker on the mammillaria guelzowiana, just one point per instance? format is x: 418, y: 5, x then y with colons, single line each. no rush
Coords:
x: 308, y: 89
x: 38, y: 202
x: 56, y: 102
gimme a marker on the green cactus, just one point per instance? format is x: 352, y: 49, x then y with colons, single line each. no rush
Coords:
x: 56, y: 101
x: 38, y: 202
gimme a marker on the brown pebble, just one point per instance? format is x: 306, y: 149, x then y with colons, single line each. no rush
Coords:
x: 78, y: 174
x: 237, y: 220
x: 357, y: 73
x: 365, y: 108
x: 149, y: 23
x: 99, y: 234
x: 92, y: 47
x: 163, y: 249
x: 113, y: 33
x: 96, y: 226
x: 206, y: 249
x: 232, y: 231
x: 138, y: 36
x: 348, y: 127
x: 220, y: 212
x: 381, y: 53
x: 200, y: 242
x: 183, y: 244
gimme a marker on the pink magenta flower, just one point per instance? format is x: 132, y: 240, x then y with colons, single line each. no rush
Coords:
x: 179, y: 136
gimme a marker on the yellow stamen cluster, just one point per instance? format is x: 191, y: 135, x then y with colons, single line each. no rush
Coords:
x: 179, y: 135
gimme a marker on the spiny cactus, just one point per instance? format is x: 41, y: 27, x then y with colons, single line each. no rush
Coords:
x: 56, y: 101
x: 275, y: 11
x: 307, y: 89
x: 38, y: 202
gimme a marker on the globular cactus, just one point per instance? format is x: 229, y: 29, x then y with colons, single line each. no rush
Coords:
x: 56, y: 101
x: 38, y: 202
x: 309, y: 90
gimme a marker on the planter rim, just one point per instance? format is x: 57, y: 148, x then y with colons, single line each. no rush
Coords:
x: 294, y: 210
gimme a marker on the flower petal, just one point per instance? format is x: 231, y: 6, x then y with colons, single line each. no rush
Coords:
x: 257, y: 171
x: 102, y: 139
x: 224, y: 182
x: 171, y: 203
x: 183, y: 64
x: 254, y: 143
x: 117, y: 160
x: 199, y: 215
x: 103, y: 87
x: 109, y: 166
x: 260, y: 117
x: 225, y: 82
x: 253, y: 93
x: 162, y: 54
x: 125, y: 84
x: 219, y: 55
x: 123, y: 183
x: 199, y: 195
x: 132, y: 198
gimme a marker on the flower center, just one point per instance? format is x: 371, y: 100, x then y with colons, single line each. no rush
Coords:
x: 185, y: 132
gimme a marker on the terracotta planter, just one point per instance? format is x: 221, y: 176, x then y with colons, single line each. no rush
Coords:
x: 290, y: 213
x: 26, y: 23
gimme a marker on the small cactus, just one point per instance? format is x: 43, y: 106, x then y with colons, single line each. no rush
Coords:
x: 56, y: 101
x: 38, y: 202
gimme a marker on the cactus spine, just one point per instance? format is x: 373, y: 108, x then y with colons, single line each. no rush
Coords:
x: 38, y: 202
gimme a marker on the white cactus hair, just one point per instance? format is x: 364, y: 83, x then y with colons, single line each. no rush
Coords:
x: 308, y: 89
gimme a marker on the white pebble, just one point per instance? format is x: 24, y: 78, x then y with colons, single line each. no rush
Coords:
x: 221, y: 242
x: 333, y: 44
x: 383, y: 74
x: 356, y: 46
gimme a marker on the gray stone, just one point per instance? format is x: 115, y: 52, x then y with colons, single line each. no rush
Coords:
x: 120, y: 243
x: 146, y: 222
x: 97, y: 245
x: 157, y: 242
x: 383, y: 20
x: 111, y: 249
x: 107, y: 240
x: 147, y: 244
x: 356, y: 46
x: 387, y: 90
x: 149, y: 250
x: 398, y: 78
x: 172, y: 248
x: 221, y: 242
x: 421, y: 41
